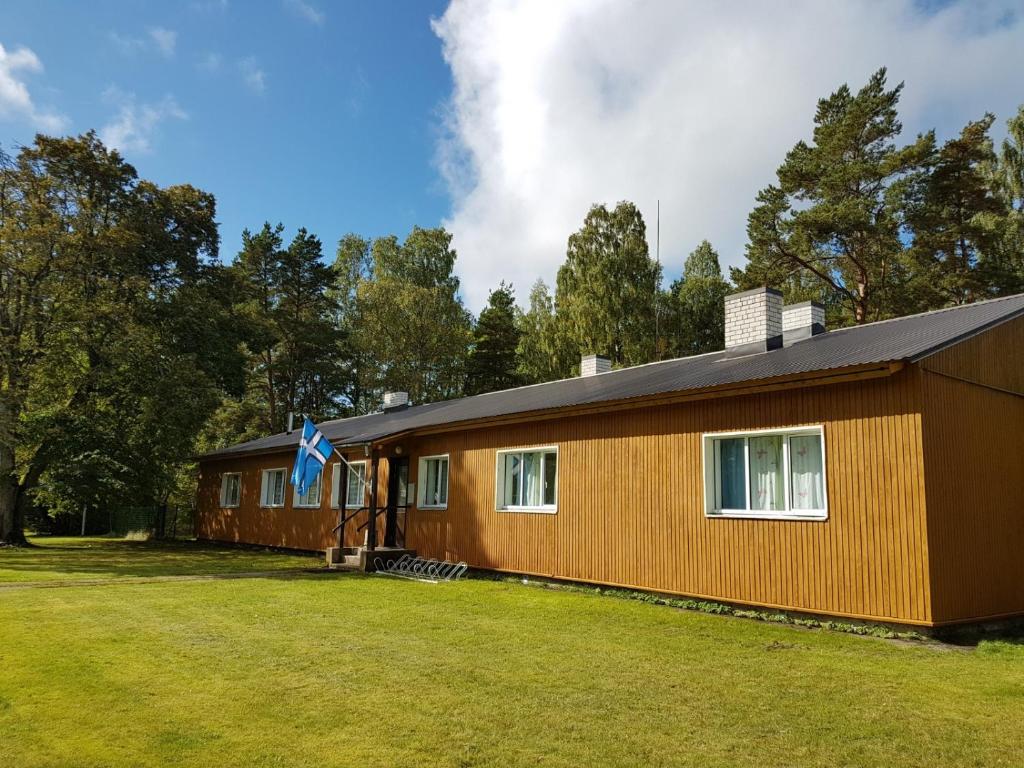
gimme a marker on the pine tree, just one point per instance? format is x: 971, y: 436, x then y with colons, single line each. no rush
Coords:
x: 311, y: 377
x: 955, y: 221
x: 493, y: 362
x: 1006, y: 176
x: 835, y: 215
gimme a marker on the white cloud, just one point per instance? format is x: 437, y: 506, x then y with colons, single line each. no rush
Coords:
x: 252, y: 75
x: 164, y: 39
x: 560, y: 105
x: 308, y: 12
x: 134, y: 126
x: 126, y: 44
x: 161, y: 39
x: 16, y: 102
x: 211, y: 62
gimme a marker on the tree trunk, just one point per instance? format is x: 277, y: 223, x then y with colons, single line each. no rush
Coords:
x: 11, y: 520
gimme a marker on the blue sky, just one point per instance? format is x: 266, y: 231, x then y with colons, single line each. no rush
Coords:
x: 323, y: 115
x: 502, y: 120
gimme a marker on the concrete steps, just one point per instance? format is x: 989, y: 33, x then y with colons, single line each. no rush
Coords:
x: 362, y: 559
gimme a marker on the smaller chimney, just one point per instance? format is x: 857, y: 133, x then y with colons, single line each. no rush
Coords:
x: 801, y: 321
x: 591, y: 365
x: 395, y: 401
x: 753, y: 322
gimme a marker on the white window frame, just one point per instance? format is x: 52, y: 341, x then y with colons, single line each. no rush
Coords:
x: 336, y: 484
x: 224, y: 490
x: 297, y: 500
x: 711, y: 490
x: 421, y: 480
x: 264, y: 486
x: 499, y: 479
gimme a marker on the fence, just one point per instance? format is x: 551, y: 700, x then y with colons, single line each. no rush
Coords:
x: 158, y: 521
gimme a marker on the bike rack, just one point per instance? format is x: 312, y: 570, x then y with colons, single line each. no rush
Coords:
x: 421, y: 569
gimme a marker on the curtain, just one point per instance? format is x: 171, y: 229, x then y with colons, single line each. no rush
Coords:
x: 312, y: 497
x: 732, y: 483
x: 533, y: 481
x: 767, y: 486
x: 550, y: 477
x: 356, y: 491
x: 278, y: 487
x: 807, y: 481
x: 442, y: 481
x: 437, y: 482
x: 512, y: 470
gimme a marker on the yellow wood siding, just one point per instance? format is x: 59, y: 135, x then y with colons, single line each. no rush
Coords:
x: 630, y: 504
x: 974, y: 461
x: 249, y: 523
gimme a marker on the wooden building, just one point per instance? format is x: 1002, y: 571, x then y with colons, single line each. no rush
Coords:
x: 874, y: 472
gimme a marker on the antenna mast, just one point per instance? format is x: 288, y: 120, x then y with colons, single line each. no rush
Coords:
x: 657, y: 293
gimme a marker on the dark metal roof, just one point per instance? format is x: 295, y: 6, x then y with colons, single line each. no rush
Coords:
x: 905, y: 339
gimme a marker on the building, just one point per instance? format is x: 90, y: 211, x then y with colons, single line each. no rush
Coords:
x: 874, y: 472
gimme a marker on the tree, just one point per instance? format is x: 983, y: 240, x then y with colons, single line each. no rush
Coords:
x: 311, y: 376
x: 115, y: 336
x: 298, y: 358
x: 835, y: 215
x: 353, y: 266
x: 1006, y: 177
x: 697, y: 320
x: 413, y: 332
x: 493, y: 362
x: 607, y: 289
x: 955, y: 219
x: 542, y: 352
x: 257, y: 269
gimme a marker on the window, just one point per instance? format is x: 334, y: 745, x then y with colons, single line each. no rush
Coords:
x: 311, y: 498
x: 771, y: 473
x: 272, y: 490
x: 355, y: 491
x: 230, y: 489
x: 433, y: 480
x: 527, y: 481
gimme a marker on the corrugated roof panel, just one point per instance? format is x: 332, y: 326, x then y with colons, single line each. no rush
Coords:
x: 901, y: 339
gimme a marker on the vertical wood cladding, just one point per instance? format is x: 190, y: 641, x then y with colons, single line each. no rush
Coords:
x: 974, y: 461
x: 287, y: 526
x: 630, y: 504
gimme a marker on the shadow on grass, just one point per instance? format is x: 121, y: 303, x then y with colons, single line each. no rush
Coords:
x: 1010, y: 632
x: 96, y: 558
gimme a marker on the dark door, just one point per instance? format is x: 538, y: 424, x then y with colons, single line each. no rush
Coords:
x: 398, y: 500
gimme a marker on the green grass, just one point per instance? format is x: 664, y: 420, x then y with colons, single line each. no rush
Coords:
x: 338, y: 670
x: 77, y: 558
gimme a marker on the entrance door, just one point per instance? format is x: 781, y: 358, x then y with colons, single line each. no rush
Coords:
x: 398, y: 500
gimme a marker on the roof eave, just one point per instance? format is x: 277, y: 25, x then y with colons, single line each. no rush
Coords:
x: 790, y: 381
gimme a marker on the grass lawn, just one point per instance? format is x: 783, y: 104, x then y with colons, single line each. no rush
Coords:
x: 74, y: 558
x: 337, y: 670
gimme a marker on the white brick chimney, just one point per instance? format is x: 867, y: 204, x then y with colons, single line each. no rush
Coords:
x: 395, y: 401
x: 591, y: 365
x: 753, y: 321
x: 801, y: 321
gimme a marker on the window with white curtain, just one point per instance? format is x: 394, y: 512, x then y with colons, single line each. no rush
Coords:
x: 433, y: 482
x: 272, y: 488
x: 778, y: 473
x: 230, y: 489
x: 527, y: 480
x: 355, y: 490
x: 311, y: 498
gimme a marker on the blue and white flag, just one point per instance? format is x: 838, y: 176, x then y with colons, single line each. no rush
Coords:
x: 314, y: 451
